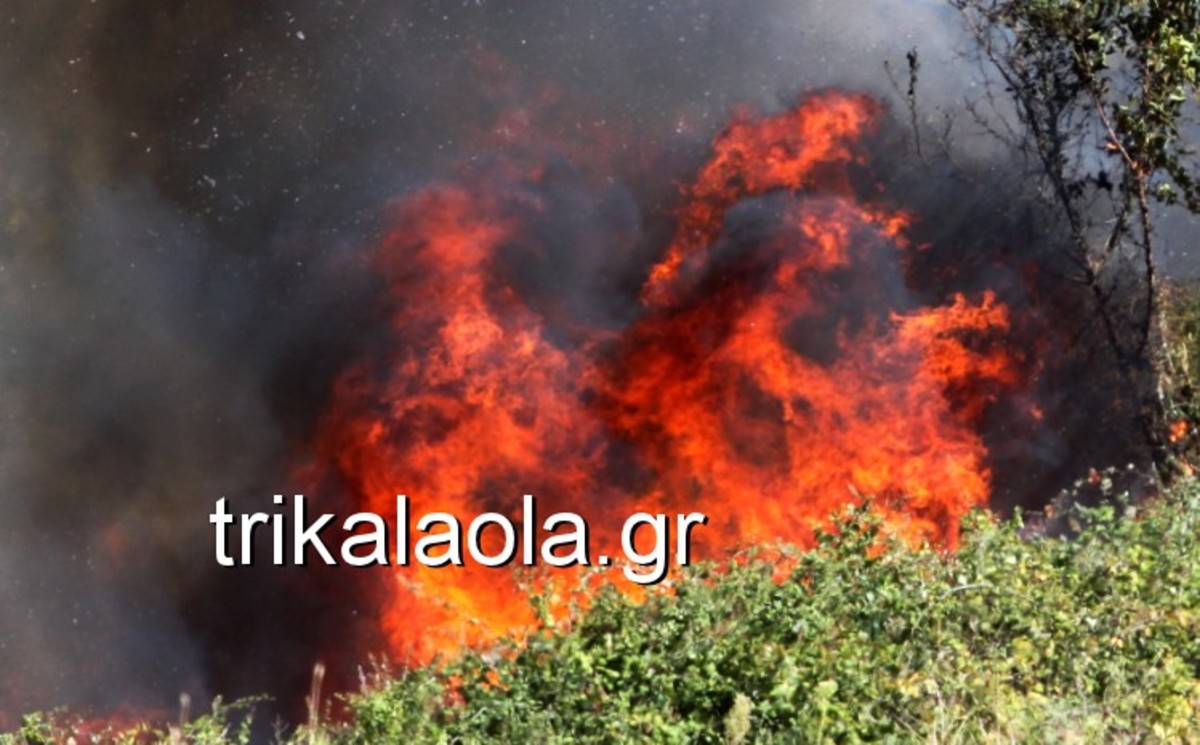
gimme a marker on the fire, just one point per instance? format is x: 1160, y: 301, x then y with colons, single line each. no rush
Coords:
x: 1178, y: 431
x: 809, y: 145
x: 779, y: 367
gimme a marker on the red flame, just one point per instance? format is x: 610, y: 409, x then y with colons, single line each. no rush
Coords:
x: 1178, y: 431
x: 774, y: 374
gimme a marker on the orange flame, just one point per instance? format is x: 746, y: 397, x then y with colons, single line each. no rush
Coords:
x: 1178, y: 430
x: 768, y: 381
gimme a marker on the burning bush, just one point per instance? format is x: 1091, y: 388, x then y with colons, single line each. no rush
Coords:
x: 778, y: 366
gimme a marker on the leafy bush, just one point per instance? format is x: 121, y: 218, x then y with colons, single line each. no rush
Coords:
x: 1015, y: 637
x: 1011, y: 638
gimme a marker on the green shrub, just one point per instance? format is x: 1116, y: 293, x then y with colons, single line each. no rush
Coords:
x: 1013, y: 638
x: 1010, y: 638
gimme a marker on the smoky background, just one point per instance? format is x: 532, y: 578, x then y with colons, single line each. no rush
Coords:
x: 188, y: 191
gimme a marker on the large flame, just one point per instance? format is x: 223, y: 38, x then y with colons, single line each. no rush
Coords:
x: 780, y: 368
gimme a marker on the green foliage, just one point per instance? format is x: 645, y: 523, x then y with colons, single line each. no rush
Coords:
x: 1104, y: 94
x: 1015, y: 637
x: 1135, y: 64
x: 1181, y: 315
x: 228, y: 724
x: 1096, y: 638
